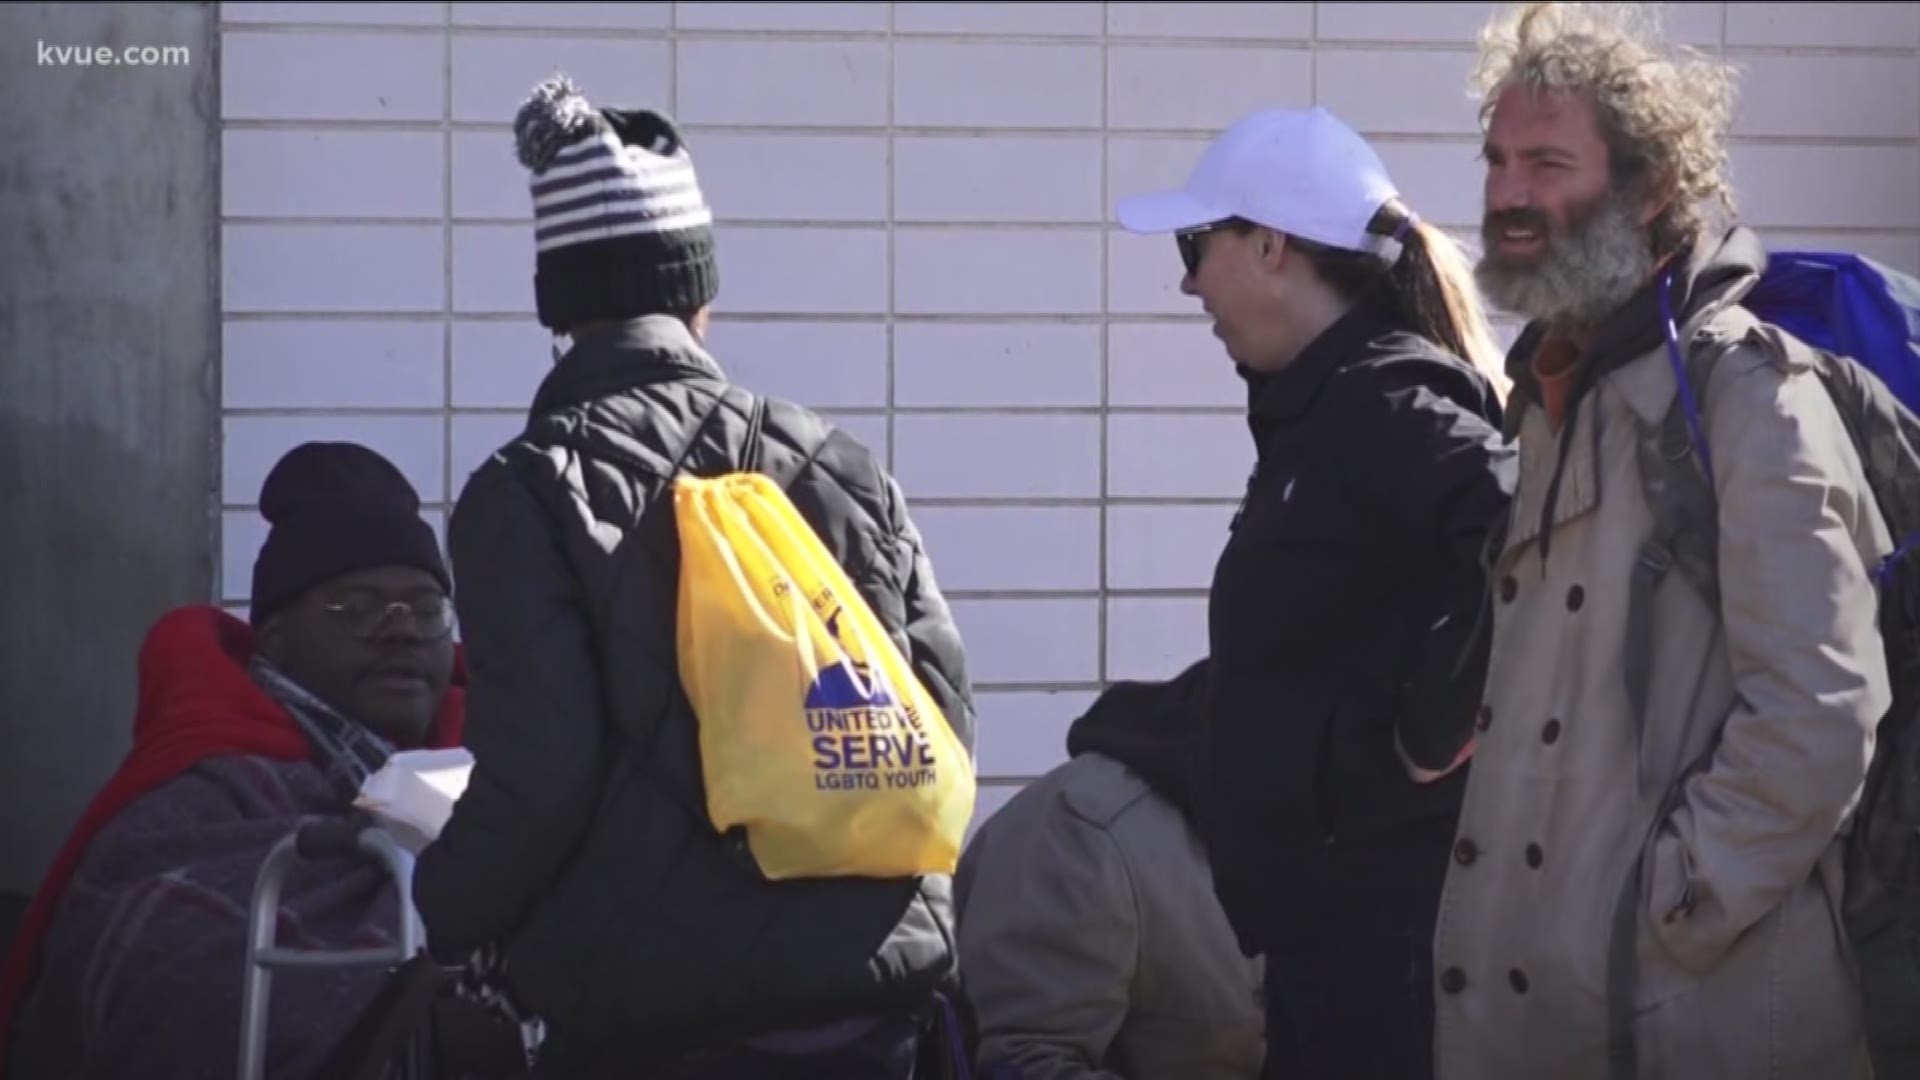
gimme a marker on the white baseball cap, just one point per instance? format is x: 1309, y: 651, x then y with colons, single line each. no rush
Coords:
x: 1301, y: 172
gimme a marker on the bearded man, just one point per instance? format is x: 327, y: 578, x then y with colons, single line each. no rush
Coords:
x: 1647, y: 873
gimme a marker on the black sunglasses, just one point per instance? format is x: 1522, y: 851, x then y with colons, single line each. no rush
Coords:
x: 1188, y: 240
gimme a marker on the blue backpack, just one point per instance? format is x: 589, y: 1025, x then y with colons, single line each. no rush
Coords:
x: 1857, y: 324
x: 1848, y: 305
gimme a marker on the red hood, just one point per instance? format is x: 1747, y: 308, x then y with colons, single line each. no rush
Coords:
x: 197, y: 701
x: 195, y: 690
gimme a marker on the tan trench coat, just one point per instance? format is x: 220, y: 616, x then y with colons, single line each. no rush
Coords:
x: 1744, y: 972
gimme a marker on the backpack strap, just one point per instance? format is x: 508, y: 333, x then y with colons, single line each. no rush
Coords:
x: 1676, y: 477
x: 750, y: 454
x: 1676, y: 480
x: 1685, y: 535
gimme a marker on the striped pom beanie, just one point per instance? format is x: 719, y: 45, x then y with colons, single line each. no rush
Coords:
x: 620, y: 227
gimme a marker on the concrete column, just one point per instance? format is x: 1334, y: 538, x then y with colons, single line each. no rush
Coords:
x: 109, y: 376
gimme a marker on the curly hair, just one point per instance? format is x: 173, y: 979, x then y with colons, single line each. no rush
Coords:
x: 1663, y: 110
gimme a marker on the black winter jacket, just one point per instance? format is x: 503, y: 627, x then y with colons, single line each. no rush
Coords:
x: 582, y: 843
x: 1348, y: 605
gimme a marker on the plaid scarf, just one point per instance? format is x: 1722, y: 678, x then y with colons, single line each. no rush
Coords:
x: 345, y: 751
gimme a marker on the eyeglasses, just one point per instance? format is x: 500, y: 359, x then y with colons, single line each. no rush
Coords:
x: 365, y: 615
x: 1191, y: 249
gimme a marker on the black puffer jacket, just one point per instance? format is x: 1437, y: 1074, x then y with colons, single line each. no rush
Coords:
x: 582, y: 843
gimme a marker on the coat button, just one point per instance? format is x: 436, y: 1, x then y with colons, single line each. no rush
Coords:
x: 1509, y: 588
x: 1465, y: 852
x: 1486, y: 717
x: 1551, y: 734
x: 1535, y: 856
x: 1518, y: 980
x: 1453, y: 980
x: 1576, y: 596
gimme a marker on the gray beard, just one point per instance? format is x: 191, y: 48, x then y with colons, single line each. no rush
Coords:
x: 1585, y: 275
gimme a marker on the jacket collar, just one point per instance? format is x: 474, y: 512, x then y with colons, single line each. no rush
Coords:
x: 617, y: 356
x: 1287, y: 395
x: 1628, y: 357
x: 1647, y: 385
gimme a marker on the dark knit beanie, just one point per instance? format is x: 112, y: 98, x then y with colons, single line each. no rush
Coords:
x: 621, y: 229
x: 336, y: 508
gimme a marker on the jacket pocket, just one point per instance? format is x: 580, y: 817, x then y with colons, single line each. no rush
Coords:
x: 1610, y: 942
x: 1666, y: 899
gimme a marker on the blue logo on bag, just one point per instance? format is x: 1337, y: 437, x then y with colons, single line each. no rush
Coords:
x: 848, y: 686
x: 863, y: 739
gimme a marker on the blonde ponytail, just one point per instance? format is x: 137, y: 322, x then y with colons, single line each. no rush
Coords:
x: 1435, y: 282
x: 1431, y: 281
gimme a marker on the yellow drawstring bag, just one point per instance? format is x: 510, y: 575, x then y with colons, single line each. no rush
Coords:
x: 815, y: 735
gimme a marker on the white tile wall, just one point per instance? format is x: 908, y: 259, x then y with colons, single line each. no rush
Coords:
x: 823, y: 365
x: 758, y: 16
x: 488, y: 181
x: 1441, y: 180
x: 1031, y: 640
x: 983, y: 18
x: 1203, y: 88
x: 1840, y: 26
x: 275, y: 76
x: 1173, y: 456
x: 1143, y: 277
x: 491, y: 75
x: 988, y: 365
x: 1381, y: 91
x: 983, y: 456
x: 1863, y: 97
x: 1025, y: 733
x: 1154, y: 638
x: 343, y: 14
x: 567, y: 16
x: 755, y: 82
x: 323, y: 174
x: 1825, y: 187
x: 1012, y: 178
x: 1165, y: 547
x: 1013, y: 548
x: 485, y: 263
x: 498, y: 365
x: 253, y: 443
x: 1458, y: 23
x: 1194, y: 20
x: 914, y: 201
x: 297, y: 364
x: 803, y: 271
x: 332, y: 268
x: 1170, y: 363
x: 974, y: 84
x: 822, y: 177
x: 1014, y: 273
